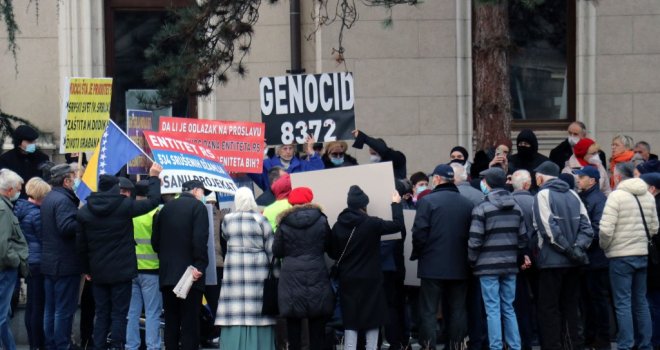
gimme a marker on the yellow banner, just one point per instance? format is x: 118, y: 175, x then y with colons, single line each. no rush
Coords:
x: 85, y: 113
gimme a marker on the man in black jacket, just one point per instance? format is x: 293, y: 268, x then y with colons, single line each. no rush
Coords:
x: 107, y: 252
x: 180, y: 236
x: 560, y: 154
x: 59, y: 261
x: 380, y: 152
x: 25, y: 159
x: 440, y: 237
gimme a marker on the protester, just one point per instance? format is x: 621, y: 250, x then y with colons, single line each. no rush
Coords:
x: 621, y: 152
x: 561, y: 154
x: 281, y: 189
x: 492, y: 156
x: 564, y: 233
x: 13, y: 251
x: 528, y: 157
x: 267, y: 197
x: 460, y: 180
x: 355, y: 242
x: 460, y: 155
x: 440, y: 235
x: 335, y: 155
x: 420, y: 183
x: 24, y: 159
x: 249, y: 253
x: 629, y: 216
x: 145, y: 291
x: 596, y: 278
x: 304, y: 290
x: 106, y: 246
x: 644, y: 149
x: 586, y: 154
x: 653, y: 275
x: 180, y: 236
x: 290, y: 162
x: 28, y: 213
x: 380, y: 152
x: 497, y: 245
x: 621, y: 172
x: 126, y: 187
x: 60, y: 263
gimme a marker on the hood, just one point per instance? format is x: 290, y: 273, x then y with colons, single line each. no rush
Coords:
x: 501, y: 198
x: 103, y: 203
x: 22, y: 207
x: 300, y: 216
x: 556, y: 185
x: 528, y: 136
x: 351, y: 217
x: 281, y: 187
x: 635, y: 186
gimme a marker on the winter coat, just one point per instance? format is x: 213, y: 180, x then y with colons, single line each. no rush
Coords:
x: 475, y: 196
x: 248, y: 256
x: 653, y: 274
x: 180, y: 236
x: 58, y: 219
x: 386, y: 153
x: 29, y: 217
x: 561, y: 222
x: 572, y: 164
x: 361, y: 295
x: 13, y: 246
x: 348, y: 161
x: 304, y: 289
x: 297, y: 165
x: 26, y: 165
x: 560, y: 154
x: 105, y: 239
x: 519, y: 161
x: 440, y: 234
x: 594, y: 202
x: 622, y: 231
x: 498, y: 236
x: 525, y: 201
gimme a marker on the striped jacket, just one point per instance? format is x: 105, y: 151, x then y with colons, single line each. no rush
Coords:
x: 498, y: 235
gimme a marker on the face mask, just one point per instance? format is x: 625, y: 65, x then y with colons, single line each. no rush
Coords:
x: 374, y: 158
x: 337, y: 161
x: 525, y: 152
x: 421, y: 189
x: 484, y: 189
x: 203, y: 199
x: 14, y: 198
x: 573, y: 140
x: 31, y: 148
x: 76, y: 184
x: 595, y: 159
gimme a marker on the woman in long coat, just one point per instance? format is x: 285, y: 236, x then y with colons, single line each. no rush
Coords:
x: 249, y: 241
x: 304, y: 289
x: 361, y: 296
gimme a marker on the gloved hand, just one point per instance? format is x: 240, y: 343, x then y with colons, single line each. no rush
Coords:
x: 578, y: 255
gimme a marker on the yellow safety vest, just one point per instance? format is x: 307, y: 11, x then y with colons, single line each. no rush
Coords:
x: 147, y: 259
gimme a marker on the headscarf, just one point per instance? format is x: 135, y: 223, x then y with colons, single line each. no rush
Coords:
x: 580, y: 150
x: 244, y: 200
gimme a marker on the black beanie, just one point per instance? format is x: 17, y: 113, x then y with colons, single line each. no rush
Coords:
x: 108, y: 182
x: 357, y: 199
x: 461, y: 149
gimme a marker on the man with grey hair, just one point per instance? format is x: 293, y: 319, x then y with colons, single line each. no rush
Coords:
x: 13, y: 251
x: 464, y: 187
x: 440, y: 234
x: 644, y: 150
x: 60, y: 263
x: 563, y: 234
x: 622, y: 171
x: 576, y: 132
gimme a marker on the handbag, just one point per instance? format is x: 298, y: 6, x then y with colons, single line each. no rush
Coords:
x: 270, y: 305
x: 653, y: 250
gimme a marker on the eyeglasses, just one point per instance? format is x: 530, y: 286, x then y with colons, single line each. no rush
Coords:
x: 337, y: 155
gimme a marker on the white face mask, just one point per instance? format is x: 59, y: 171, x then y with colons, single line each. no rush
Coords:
x: 594, y: 159
x: 374, y: 158
x: 573, y: 140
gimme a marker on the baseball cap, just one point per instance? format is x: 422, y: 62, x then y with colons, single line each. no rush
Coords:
x: 193, y: 184
x: 589, y: 171
x: 444, y: 170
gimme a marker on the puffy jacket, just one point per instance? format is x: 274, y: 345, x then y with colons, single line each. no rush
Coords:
x: 105, y: 239
x: 594, y: 201
x: 29, y: 217
x: 440, y: 234
x: 498, y: 235
x: 621, y: 228
x: 58, y: 219
x: 304, y: 289
x: 561, y: 222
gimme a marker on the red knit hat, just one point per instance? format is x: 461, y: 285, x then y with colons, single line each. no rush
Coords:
x: 300, y: 195
x: 581, y: 148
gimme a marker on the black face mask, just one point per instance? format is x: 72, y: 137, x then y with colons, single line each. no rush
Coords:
x: 525, y: 152
x: 459, y: 161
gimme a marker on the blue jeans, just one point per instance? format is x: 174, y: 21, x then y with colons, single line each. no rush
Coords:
x: 60, y: 306
x: 628, y: 279
x: 145, y: 293
x: 498, y: 292
x: 34, y: 308
x: 8, y: 279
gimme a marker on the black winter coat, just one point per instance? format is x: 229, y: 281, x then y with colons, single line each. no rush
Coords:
x: 361, y: 295
x: 302, y: 237
x: 58, y: 219
x: 653, y: 275
x: 180, y: 236
x: 386, y: 153
x: 26, y: 165
x: 105, y: 238
x: 594, y: 201
x: 440, y: 234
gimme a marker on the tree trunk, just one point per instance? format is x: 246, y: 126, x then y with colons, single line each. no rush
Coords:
x: 492, y: 97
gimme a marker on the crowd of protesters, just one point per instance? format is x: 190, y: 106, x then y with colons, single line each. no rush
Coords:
x: 512, y: 250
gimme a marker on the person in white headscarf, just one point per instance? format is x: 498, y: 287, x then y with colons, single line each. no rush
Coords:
x: 249, y: 252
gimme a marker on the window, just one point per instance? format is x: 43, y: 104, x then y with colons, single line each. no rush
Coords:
x: 129, y: 27
x: 542, y: 64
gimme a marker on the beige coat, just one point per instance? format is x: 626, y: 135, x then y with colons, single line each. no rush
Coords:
x: 604, y: 182
x: 621, y: 228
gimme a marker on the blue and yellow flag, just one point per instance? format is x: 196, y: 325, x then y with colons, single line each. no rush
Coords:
x: 113, y: 152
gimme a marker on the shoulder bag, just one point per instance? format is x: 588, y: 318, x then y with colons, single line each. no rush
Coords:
x: 653, y: 250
